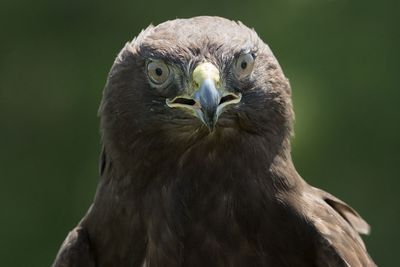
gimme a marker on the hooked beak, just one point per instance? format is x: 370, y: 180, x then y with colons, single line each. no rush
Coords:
x: 208, y: 99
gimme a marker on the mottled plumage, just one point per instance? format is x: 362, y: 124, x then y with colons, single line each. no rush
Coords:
x: 189, y: 182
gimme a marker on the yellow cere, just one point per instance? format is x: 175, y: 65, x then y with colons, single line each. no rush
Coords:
x: 205, y: 71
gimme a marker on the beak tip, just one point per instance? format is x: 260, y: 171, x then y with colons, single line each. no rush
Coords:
x: 211, y: 127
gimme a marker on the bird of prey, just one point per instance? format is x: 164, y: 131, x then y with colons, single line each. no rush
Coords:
x: 196, y: 167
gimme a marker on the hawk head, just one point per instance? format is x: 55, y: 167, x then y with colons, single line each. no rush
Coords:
x: 191, y: 80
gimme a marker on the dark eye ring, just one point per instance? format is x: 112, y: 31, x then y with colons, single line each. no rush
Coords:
x: 158, y: 72
x: 244, y: 65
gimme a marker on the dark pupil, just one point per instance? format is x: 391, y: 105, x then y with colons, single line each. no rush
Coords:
x: 243, y: 65
x: 158, y: 71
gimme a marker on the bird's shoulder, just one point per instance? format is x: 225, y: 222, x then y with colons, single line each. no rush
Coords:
x: 338, y: 226
x: 76, y: 250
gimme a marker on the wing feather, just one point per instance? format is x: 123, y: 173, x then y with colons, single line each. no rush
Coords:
x: 339, y: 226
x: 75, y: 250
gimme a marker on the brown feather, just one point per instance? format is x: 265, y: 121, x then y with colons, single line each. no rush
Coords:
x: 173, y: 194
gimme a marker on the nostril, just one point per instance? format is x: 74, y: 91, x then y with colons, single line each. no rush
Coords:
x: 229, y: 98
x: 184, y: 101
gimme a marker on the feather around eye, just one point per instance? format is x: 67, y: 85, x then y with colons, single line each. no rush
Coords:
x: 244, y: 65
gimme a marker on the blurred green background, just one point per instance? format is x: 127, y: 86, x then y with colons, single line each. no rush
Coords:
x: 341, y: 56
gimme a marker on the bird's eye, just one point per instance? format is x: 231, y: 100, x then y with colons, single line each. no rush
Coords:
x: 244, y: 65
x: 158, y: 72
